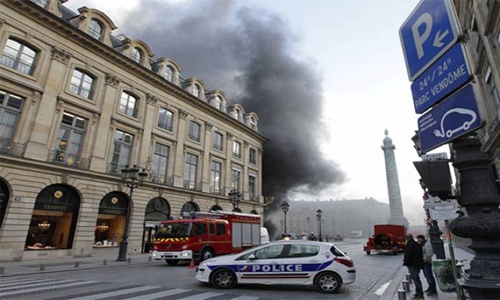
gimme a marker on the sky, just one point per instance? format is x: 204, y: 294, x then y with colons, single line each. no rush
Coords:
x: 354, y: 62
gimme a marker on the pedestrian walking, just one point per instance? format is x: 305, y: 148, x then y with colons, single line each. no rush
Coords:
x: 312, y: 237
x: 427, y: 255
x: 414, y: 261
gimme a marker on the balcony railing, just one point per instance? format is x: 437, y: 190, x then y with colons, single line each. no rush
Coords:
x: 115, y: 169
x: 10, y: 148
x: 85, y: 93
x: 162, y: 179
x: 68, y: 159
x: 16, y: 63
x: 191, y: 185
x: 216, y: 190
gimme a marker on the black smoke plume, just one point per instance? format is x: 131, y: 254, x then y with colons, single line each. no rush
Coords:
x: 249, y: 54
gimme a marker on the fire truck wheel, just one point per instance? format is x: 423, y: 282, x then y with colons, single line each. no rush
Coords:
x: 207, y: 253
x: 223, y: 279
x: 172, y: 262
x: 368, y: 252
x: 328, y: 282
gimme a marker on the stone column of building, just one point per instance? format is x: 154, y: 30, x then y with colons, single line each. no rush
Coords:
x: 179, y: 150
x: 245, y: 156
x: 228, y: 172
x: 99, y: 161
x: 205, y: 176
x: 396, y: 205
x: 37, y: 145
x: 145, y: 156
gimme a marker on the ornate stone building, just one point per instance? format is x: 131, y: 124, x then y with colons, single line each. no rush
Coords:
x: 77, y: 105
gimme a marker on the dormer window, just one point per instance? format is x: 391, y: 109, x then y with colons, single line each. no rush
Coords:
x: 169, y: 73
x: 136, y: 55
x: 218, y: 102
x: 95, y: 29
x: 41, y: 3
x: 252, y: 123
x: 196, y: 90
x: 237, y: 115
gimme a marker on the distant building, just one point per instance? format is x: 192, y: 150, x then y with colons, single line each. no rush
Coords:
x: 78, y: 104
x: 339, y: 216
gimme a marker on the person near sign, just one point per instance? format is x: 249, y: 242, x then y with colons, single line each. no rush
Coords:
x: 427, y: 253
x: 414, y: 261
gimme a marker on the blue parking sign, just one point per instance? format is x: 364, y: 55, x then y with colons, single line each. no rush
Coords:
x: 429, y: 31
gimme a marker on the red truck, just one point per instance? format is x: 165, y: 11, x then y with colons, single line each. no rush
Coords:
x: 386, y: 239
x: 204, y: 235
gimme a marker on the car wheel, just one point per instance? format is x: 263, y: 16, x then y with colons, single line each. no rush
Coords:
x: 368, y: 252
x: 172, y: 262
x: 223, y: 279
x: 206, y: 254
x: 328, y: 283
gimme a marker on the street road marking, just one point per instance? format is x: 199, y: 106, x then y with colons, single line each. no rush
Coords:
x: 159, y: 294
x: 245, y: 298
x: 382, y: 289
x: 116, y: 293
x: 46, y: 288
x: 22, y: 282
x: 201, y: 296
x: 4, y: 288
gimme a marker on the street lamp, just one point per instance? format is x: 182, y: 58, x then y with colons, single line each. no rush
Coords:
x: 285, y: 206
x: 319, y: 214
x: 308, y: 227
x: 234, y: 198
x: 133, y: 179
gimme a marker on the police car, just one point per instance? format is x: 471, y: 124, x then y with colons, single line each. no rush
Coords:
x: 294, y: 262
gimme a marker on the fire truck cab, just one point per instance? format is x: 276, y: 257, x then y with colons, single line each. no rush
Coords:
x: 205, y: 235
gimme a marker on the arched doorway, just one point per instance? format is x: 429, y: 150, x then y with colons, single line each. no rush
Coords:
x: 4, y: 198
x: 237, y: 209
x: 111, y: 220
x: 254, y: 212
x: 188, y: 208
x: 157, y: 210
x: 54, y: 218
x: 215, y: 208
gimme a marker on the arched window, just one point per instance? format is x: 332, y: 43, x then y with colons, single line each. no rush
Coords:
x: 169, y: 73
x: 111, y: 219
x: 188, y: 208
x: 196, y: 90
x: 136, y: 55
x: 215, y: 208
x: 10, y: 112
x: 54, y: 218
x: 194, y: 131
x: 218, y: 102
x: 19, y: 56
x: 82, y: 84
x: 95, y: 29
x: 217, y: 141
x: 254, y: 212
x: 128, y: 104
x: 157, y: 210
x: 253, y: 124
x: 165, y: 119
x: 237, y: 114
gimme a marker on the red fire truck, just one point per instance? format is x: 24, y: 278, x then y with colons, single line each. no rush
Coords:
x: 204, y: 235
x: 387, y: 238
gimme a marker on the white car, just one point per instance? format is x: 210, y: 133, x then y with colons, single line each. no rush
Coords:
x: 294, y: 262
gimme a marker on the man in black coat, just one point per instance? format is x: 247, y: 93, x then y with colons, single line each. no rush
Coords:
x: 414, y: 261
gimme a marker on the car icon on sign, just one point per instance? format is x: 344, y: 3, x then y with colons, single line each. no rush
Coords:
x: 465, y: 125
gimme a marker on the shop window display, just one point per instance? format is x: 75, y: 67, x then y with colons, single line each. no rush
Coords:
x: 111, y: 220
x: 53, y: 221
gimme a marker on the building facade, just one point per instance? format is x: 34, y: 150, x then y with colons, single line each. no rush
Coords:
x: 480, y: 23
x: 78, y: 105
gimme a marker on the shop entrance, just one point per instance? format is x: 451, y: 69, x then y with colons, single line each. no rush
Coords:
x: 111, y: 220
x: 54, y: 218
x: 157, y: 210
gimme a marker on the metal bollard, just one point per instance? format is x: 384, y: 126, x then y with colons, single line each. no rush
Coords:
x: 42, y: 267
x: 401, y: 295
x: 105, y: 262
x: 408, y: 277
x: 129, y: 260
x: 406, y: 285
x: 149, y: 258
x: 2, y: 270
x: 77, y: 264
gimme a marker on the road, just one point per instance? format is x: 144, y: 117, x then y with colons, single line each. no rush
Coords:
x: 157, y: 280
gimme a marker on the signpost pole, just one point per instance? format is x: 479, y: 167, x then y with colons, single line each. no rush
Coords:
x: 452, y: 258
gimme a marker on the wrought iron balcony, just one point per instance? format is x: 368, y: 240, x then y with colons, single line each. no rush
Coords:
x: 216, y: 190
x: 68, y: 159
x: 16, y: 63
x: 192, y: 185
x: 10, y: 148
x: 115, y: 169
x: 162, y: 179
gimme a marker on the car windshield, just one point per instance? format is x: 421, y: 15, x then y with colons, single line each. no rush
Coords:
x: 336, y: 251
x: 173, y: 230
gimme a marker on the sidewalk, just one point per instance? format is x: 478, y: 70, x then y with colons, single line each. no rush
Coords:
x: 51, y: 265
x: 391, y: 293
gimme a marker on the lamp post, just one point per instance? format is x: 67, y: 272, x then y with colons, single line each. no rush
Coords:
x: 308, y: 219
x: 133, y: 179
x: 319, y: 214
x: 285, y: 206
x: 234, y: 198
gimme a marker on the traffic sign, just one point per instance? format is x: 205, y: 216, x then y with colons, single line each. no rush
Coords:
x: 454, y: 117
x: 447, y: 74
x: 428, y: 32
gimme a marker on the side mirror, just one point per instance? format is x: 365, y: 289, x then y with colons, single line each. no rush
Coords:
x: 251, y: 257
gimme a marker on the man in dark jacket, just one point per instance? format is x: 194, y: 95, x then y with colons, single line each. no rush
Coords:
x: 414, y: 261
